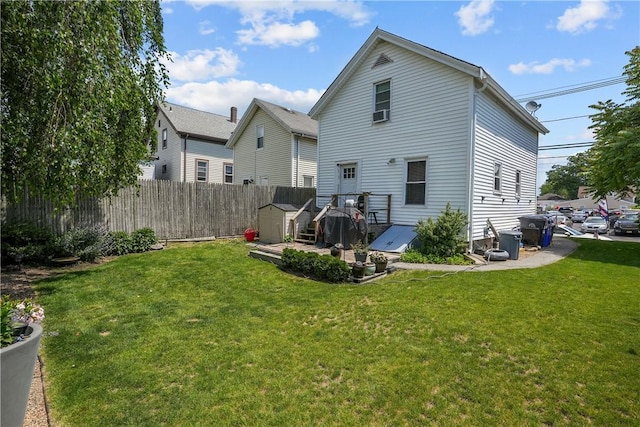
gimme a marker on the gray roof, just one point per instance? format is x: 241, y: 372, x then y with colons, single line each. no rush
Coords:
x: 198, y: 124
x: 293, y: 121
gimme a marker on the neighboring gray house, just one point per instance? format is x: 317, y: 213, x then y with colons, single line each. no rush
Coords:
x: 191, y: 145
x: 427, y: 128
x: 274, y: 145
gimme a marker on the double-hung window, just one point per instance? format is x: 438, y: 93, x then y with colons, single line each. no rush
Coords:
x: 416, y: 185
x: 518, y: 183
x: 164, y: 138
x: 382, y: 101
x: 228, y: 173
x: 202, y: 170
x: 259, y: 137
x: 497, y: 178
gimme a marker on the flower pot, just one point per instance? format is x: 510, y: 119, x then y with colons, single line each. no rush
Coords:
x: 360, y: 257
x: 381, y: 266
x: 18, y: 362
x: 369, y: 269
x: 358, y: 271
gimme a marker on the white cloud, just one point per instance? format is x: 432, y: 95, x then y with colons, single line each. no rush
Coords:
x: 199, y: 65
x: 475, y: 18
x: 219, y: 97
x: 549, y: 66
x: 276, y: 34
x: 205, y: 28
x: 272, y: 23
x: 584, y: 17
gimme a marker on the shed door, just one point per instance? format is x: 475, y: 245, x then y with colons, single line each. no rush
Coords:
x: 347, y: 182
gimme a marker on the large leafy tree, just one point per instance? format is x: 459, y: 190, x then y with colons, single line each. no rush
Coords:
x: 565, y: 180
x: 614, y: 160
x: 79, y: 84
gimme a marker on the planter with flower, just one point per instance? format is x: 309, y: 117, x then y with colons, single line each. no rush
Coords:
x: 20, y: 335
x: 380, y: 260
x: 360, y: 251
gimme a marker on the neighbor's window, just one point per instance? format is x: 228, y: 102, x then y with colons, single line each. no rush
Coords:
x: 497, y: 178
x: 164, y: 168
x: 415, y: 190
x: 382, y: 100
x: 202, y: 170
x: 308, y: 181
x: 260, y: 136
x: 518, y: 183
x: 228, y: 173
x: 164, y: 138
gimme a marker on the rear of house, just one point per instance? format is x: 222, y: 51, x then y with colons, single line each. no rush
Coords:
x: 428, y: 129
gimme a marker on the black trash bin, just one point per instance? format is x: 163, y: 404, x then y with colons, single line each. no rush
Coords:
x: 536, y: 230
x: 510, y: 242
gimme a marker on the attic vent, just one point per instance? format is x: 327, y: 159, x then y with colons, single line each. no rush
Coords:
x: 382, y: 59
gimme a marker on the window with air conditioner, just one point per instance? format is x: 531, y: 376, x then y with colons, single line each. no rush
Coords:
x: 416, y: 182
x: 382, y: 101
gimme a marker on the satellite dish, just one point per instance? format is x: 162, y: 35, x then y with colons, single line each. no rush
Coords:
x: 532, y: 106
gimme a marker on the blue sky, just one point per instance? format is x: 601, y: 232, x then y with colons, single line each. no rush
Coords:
x: 225, y: 53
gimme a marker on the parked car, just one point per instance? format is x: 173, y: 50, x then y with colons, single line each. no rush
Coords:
x: 578, y: 216
x: 595, y: 224
x: 613, y: 217
x: 566, y: 211
x: 627, y: 223
x: 577, y: 234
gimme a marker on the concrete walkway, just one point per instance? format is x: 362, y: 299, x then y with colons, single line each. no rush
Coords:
x: 558, y: 249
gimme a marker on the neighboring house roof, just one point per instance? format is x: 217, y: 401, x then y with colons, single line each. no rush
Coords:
x: 474, y: 71
x: 293, y: 121
x: 198, y: 124
x: 550, y: 196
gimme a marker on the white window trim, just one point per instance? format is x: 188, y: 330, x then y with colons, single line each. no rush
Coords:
x: 498, y: 166
x: 224, y: 173
x: 206, y: 162
x: 258, y: 129
x: 406, y: 179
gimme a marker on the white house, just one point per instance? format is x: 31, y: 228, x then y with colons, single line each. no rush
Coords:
x: 191, y: 145
x: 427, y: 128
x: 275, y: 145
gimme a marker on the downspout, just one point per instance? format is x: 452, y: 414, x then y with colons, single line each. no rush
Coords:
x: 472, y: 153
x: 184, y: 160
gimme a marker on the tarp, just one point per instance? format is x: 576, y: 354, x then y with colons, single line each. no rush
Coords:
x: 344, y: 225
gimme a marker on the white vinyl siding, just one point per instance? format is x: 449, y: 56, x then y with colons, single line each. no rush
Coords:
x: 305, y: 162
x: 215, y: 153
x: 169, y: 163
x: 431, y: 115
x: 277, y: 159
x: 501, y: 137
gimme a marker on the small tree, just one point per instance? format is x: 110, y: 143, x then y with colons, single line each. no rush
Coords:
x: 444, y: 236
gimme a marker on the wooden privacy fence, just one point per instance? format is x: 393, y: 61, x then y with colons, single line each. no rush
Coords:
x: 174, y: 210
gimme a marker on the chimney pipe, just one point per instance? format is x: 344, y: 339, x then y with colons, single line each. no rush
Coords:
x: 234, y: 115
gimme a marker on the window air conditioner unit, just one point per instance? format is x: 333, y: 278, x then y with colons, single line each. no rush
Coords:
x: 380, y: 116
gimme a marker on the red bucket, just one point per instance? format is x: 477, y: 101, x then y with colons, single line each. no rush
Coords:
x: 250, y: 234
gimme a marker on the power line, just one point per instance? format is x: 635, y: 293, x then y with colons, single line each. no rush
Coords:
x: 565, y: 118
x: 572, y: 89
x: 568, y: 145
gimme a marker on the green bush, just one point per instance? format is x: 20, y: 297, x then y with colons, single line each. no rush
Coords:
x: 143, y: 239
x: 443, y: 237
x: 25, y: 242
x: 120, y: 243
x: 85, y: 242
x: 321, y: 267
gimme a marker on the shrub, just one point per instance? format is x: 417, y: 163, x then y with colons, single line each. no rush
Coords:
x: 25, y: 242
x: 85, y: 242
x: 442, y: 237
x: 321, y: 267
x: 143, y: 239
x: 120, y: 243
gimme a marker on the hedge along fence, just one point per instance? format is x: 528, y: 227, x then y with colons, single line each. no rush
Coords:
x: 174, y: 210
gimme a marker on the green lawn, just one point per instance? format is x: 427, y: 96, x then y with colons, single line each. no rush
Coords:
x: 204, y: 335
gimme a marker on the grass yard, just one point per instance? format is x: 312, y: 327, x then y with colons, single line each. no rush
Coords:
x: 203, y: 335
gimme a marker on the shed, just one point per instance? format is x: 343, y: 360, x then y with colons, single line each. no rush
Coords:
x: 274, y: 222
